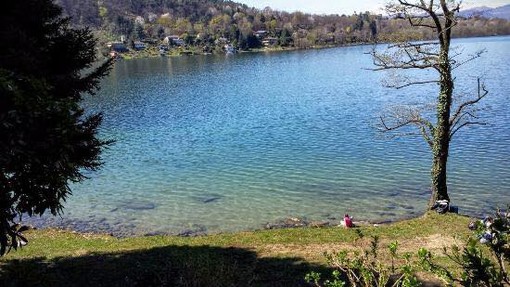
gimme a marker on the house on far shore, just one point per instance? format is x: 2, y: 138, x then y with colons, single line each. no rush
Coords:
x: 138, y: 45
x: 173, y: 40
x: 221, y: 41
x: 260, y: 33
x: 117, y: 47
x: 269, y: 41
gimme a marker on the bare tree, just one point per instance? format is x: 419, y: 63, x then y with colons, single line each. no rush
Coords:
x: 451, y: 114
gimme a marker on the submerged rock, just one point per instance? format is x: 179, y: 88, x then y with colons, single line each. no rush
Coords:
x: 155, y: 233
x: 137, y: 206
x: 287, y: 223
x: 207, y: 198
x: 386, y: 214
x: 195, y: 230
x: 211, y: 199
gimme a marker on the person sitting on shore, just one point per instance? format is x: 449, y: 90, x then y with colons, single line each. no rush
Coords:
x: 347, y: 221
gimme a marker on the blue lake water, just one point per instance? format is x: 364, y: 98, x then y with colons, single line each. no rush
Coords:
x: 229, y: 143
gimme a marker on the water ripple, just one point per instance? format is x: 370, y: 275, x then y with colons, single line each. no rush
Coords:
x: 211, y: 144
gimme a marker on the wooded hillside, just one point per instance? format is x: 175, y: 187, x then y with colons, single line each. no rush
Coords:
x: 212, y: 23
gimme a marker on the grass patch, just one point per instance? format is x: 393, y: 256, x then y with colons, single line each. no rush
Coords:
x: 259, y: 258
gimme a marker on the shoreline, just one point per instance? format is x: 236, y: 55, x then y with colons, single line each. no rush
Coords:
x: 200, y: 231
x: 152, y: 52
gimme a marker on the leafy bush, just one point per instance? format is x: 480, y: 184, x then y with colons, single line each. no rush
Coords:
x: 482, y: 261
x: 478, y: 267
x: 365, y: 268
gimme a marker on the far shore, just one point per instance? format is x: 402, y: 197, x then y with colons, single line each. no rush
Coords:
x: 152, y: 52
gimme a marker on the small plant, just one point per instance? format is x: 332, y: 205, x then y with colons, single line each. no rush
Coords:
x: 495, y: 232
x: 478, y: 267
x: 365, y: 269
x: 426, y: 262
x: 315, y: 277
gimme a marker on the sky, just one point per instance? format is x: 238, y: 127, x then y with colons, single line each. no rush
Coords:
x: 345, y: 6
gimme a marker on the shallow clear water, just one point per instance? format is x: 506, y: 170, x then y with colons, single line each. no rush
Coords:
x: 226, y: 143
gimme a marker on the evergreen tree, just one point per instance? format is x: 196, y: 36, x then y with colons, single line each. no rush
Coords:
x: 46, y: 139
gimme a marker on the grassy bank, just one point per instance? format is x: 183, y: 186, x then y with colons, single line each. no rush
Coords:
x: 260, y: 258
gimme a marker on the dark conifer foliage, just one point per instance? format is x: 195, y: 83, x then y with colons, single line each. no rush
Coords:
x: 46, y: 140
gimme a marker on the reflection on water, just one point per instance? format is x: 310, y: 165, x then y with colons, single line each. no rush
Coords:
x: 214, y: 143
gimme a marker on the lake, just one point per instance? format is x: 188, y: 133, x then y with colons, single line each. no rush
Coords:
x: 227, y: 143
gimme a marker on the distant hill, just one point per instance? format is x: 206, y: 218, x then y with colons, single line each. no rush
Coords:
x: 209, y: 26
x: 502, y: 12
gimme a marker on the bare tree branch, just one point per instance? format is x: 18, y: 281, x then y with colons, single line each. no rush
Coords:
x: 404, y: 58
x: 402, y: 116
x: 440, y: 16
x: 415, y: 83
x: 422, y: 7
x: 477, y: 55
x: 418, y: 22
x: 410, y: 44
x: 462, y: 115
x: 482, y: 92
x: 463, y: 125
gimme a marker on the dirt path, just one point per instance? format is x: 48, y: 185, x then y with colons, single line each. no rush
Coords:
x: 314, y: 252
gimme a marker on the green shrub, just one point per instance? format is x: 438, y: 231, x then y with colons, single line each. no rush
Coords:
x: 484, y: 258
x: 482, y: 261
x: 365, y: 268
